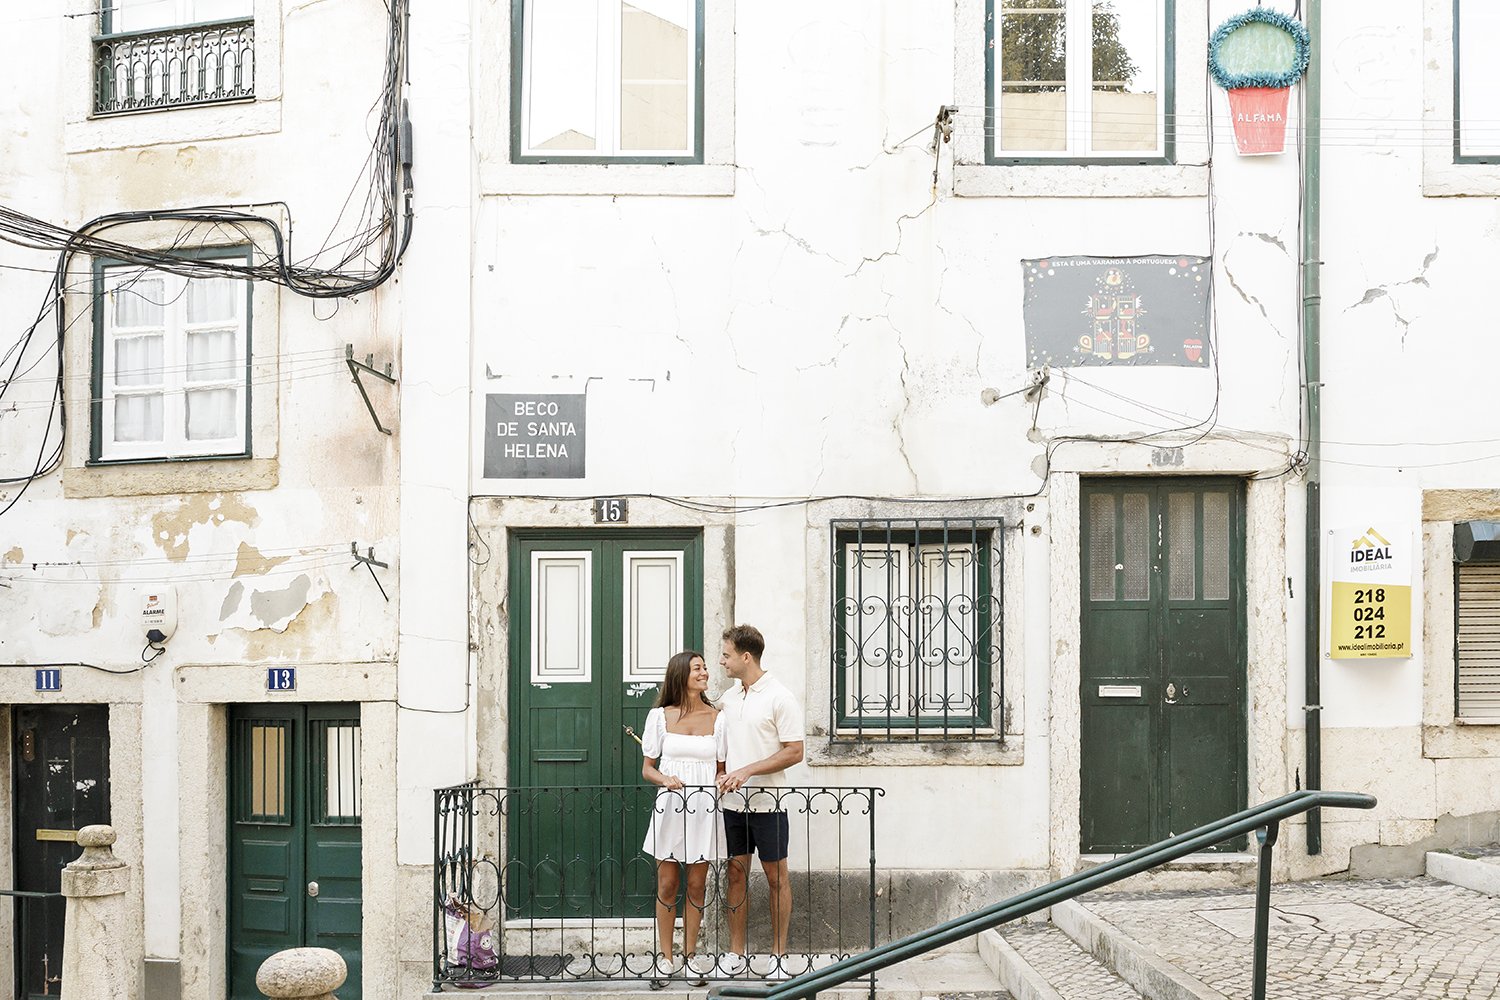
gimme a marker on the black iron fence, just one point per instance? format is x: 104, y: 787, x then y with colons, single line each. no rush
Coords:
x: 173, y: 67
x: 555, y: 884
x: 917, y: 629
x: 38, y: 921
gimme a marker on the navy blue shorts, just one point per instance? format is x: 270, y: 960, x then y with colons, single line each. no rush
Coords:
x: 749, y: 832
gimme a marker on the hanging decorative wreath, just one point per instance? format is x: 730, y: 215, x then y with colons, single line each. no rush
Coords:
x: 1259, y: 48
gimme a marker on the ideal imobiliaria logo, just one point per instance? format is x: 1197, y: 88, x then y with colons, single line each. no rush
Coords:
x: 1370, y: 551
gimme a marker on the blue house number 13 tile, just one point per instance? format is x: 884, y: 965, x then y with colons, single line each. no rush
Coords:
x: 281, y: 679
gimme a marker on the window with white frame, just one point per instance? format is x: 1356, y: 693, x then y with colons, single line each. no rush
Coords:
x: 607, y: 81
x: 141, y: 15
x: 171, y: 371
x: 916, y: 628
x: 1476, y: 108
x: 1078, y: 80
x: 154, y: 55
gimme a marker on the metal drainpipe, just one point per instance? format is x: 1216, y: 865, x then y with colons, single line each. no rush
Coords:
x: 1312, y: 580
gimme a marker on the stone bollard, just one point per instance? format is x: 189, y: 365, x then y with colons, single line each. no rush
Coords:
x: 302, y: 974
x: 96, y: 965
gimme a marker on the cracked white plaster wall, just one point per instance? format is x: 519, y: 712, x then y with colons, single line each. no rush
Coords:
x: 1406, y: 298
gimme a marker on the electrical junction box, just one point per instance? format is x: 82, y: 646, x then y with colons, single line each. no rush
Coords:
x: 159, y: 614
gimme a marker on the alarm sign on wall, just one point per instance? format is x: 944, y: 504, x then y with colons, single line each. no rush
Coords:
x: 1369, y: 607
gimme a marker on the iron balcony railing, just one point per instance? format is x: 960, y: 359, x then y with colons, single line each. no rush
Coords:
x: 553, y: 884
x: 203, y: 63
x: 1264, y: 820
x: 917, y: 625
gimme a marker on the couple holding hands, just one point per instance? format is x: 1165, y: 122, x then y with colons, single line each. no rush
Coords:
x: 719, y: 769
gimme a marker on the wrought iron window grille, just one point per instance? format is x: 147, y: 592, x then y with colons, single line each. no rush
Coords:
x: 207, y: 63
x: 553, y: 884
x: 916, y: 622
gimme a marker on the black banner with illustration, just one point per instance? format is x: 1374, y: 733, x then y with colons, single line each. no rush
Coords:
x: 1084, y: 311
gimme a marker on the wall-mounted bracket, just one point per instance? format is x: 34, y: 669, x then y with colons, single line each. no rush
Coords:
x: 368, y: 365
x: 369, y: 562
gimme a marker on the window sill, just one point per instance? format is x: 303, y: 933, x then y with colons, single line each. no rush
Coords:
x: 682, y: 180
x: 193, y: 123
x: 1089, y: 180
x: 1442, y: 178
x: 139, y: 479
x: 924, y: 754
x: 1462, y: 738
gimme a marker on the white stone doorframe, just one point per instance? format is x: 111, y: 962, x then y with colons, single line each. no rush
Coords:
x: 203, y: 811
x: 1266, y: 655
x: 123, y: 697
x: 490, y: 606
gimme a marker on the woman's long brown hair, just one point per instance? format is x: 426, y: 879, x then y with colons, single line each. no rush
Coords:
x: 674, y: 685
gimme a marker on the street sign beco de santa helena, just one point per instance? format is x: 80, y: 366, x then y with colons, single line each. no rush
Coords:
x: 534, y: 435
x: 1369, y: 611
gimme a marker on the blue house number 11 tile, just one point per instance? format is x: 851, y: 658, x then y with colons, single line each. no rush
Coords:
x: 49, y: 679
x: 281, y: 679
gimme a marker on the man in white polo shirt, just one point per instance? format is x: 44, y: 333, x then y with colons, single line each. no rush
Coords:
x: 765, y: 731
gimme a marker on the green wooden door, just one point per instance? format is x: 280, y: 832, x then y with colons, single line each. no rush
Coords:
x: 294, y: 837
x: 594, y: 617
x: 1163, y: 659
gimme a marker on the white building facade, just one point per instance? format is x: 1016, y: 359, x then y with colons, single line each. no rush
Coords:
x: 717, y: 312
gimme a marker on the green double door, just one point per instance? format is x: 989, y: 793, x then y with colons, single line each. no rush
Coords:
x: 1162, y: 658
x: 594, y: 618
x: 294, y: 837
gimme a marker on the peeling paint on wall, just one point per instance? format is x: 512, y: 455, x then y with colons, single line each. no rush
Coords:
x: 170, y: 528
x: 302, y: 634
x: 14, y: 556
x: 70, y: 610
x: 275, y: 609
x: 232, y: 600
x: 249, y: 561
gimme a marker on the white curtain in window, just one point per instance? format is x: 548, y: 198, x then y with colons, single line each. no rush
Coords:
x: 138, y: 361
x: 211, y: 355
x: 212, y: 414
x: 213, y: 300
x: 139, y: 302
x: 138, y: 418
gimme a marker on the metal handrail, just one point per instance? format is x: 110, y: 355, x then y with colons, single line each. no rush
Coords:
x: 1264, y: 818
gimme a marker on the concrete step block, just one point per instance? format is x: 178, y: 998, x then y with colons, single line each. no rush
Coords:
x: 1482, y: 874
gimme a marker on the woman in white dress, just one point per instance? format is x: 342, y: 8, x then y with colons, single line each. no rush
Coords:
x: 683, y: 746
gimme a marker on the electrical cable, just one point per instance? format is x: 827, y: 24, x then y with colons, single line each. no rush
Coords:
x: 361, y: 263
x: 74, y: 663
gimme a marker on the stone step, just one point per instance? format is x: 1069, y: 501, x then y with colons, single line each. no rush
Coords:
x: 1478, y: 869
x: 1038, y: 961
x: 1151, y: 975
x: 948, y: 975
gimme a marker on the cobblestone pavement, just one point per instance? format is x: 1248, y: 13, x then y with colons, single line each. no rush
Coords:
x: 1397, y: 939
x: 1072, y: 971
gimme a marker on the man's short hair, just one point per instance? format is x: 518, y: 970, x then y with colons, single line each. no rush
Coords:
x: 746, y: 639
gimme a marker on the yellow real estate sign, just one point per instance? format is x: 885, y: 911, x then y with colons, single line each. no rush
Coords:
x: 1369, y: 611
